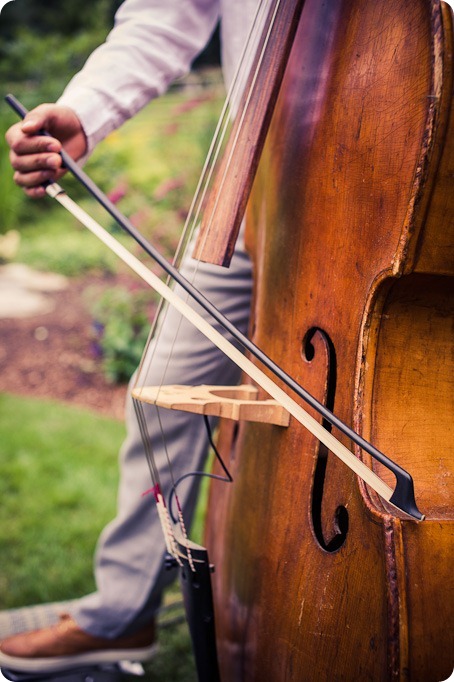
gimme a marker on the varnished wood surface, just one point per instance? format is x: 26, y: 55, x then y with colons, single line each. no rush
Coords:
x: 234, y: 178
x: 228, y: 402
x: 349, y: 227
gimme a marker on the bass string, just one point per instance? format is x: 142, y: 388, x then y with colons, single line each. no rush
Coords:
x: 156, y: 490
x: 201, y: 191
x: 244, y: 110
x: 141, y: 421
x: 185, y: 242
x: 232, y: 102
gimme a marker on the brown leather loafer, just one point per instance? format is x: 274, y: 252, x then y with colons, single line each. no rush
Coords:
x: 65, y: 645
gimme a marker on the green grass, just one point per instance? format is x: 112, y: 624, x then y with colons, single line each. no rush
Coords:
x: 173, y: 661
x: 58, y: 484
x: 58, y: 488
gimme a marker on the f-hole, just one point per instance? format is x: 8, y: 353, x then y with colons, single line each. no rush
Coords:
x: 340, y: 521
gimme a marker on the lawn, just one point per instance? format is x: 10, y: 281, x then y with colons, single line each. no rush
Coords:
x: 58, y: 478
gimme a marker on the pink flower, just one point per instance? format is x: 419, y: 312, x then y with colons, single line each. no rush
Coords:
x: 118, y: 192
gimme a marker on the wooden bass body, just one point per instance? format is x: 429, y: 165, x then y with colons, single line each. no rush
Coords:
x: 350, y: 227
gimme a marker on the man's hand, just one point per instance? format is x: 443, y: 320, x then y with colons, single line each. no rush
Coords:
x: 34, y: 157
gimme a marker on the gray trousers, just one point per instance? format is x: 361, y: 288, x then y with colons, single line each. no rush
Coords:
x: 129, y: 570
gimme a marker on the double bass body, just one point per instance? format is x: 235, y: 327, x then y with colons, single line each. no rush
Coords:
x: 350, y: 227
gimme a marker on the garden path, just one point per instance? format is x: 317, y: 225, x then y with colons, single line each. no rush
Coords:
x: 46, y: 341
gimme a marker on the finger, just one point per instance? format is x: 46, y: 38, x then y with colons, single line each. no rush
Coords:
x: 34, y: 162
x: 36, y: 120
x: 31, y: 180
x: 36, y: 192
x: 23, y: 144
x: 13, y: 133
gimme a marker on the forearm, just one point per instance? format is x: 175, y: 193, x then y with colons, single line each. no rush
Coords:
x: 151, y: 45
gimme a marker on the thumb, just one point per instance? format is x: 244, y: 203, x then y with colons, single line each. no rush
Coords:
x: 32, y: 124
x: 35, y: 121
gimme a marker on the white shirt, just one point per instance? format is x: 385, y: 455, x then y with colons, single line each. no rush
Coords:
x: 152, y: 43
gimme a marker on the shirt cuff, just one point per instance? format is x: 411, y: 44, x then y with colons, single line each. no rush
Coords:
x: 97, y: 117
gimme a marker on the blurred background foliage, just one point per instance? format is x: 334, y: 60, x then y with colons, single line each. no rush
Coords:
x: 45, y: 43
x: 42, y: 45
x: 150, y: 167
x: 54, y: 16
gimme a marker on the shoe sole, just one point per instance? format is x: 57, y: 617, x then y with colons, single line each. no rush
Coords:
x: 48, y: 665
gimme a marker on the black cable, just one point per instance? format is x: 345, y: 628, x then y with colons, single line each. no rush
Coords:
x: 227, y: 478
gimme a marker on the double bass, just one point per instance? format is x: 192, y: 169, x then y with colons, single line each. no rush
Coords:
x: 350, y: 227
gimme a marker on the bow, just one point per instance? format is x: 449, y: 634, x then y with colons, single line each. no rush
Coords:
x: 402, y: 497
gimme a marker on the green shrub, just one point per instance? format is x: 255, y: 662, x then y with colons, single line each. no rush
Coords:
x: 40, y: 66
x: 121, y: 326
x: 73, y: 253
x: 11, y: 197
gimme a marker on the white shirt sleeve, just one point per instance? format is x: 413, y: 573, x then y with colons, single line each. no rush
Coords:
x: 152, y: 43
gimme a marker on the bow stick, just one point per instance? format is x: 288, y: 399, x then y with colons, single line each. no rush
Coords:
x: 402, y: 497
